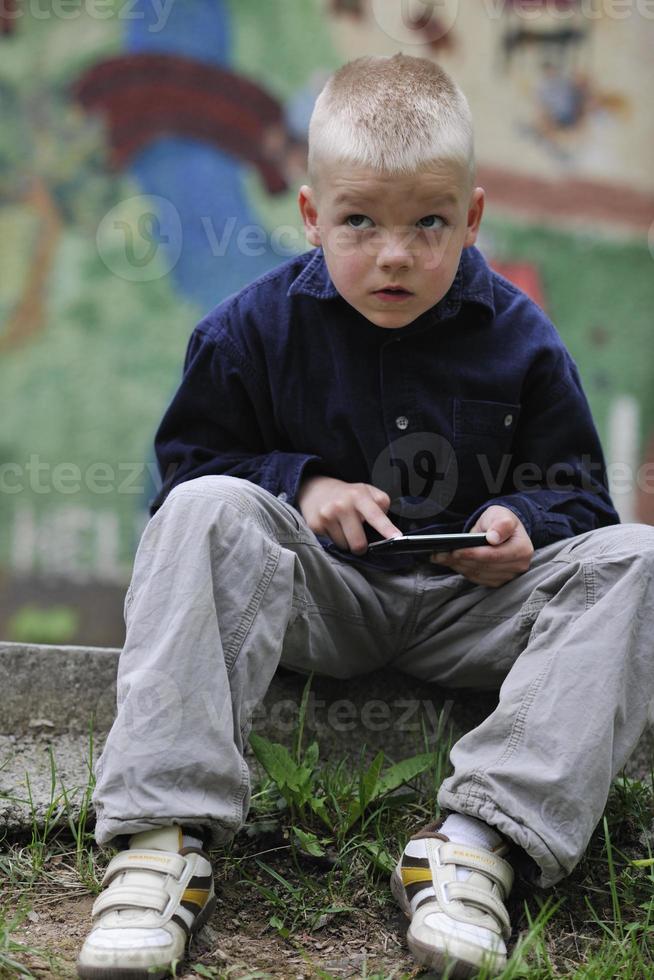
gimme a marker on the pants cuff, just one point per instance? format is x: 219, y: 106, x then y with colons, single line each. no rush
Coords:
x: 110, y: 832
x: 548, y: 870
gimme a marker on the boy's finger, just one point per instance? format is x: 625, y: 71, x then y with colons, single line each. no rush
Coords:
x: 466, y: 553
x: 376, y: 517
x: 381, y: 498
x: 335, y: 533
x: 480, y: 555
x: 500, y: 530
x: 354, y: 533
x: 440, y: 557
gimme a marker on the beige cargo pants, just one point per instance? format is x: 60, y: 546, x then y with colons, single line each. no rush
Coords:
x: 229, y: 581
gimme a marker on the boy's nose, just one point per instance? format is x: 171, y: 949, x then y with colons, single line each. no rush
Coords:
x: 394, y: 251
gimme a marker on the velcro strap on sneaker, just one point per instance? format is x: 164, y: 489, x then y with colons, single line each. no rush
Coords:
x: 482, y: 900
x: 145, y: 860
x: 478, y: 859
x: 130, y: 896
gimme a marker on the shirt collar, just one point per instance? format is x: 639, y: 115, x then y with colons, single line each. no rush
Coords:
x: 473, y: 283
x: 314, y: 280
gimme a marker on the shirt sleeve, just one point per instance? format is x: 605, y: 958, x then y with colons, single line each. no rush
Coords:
x: 221, y: 421
x: 557, y: 484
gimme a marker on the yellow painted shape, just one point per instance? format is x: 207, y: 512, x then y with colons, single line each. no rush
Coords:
x: 411, y: 875
x: 198, y: 896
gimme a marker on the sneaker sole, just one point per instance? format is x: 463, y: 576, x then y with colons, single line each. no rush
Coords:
x: 145, y: 973
x: 458, y: 969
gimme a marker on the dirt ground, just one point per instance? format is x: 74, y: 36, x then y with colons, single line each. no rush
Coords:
x: 366, y: 939
x: 238, y: 941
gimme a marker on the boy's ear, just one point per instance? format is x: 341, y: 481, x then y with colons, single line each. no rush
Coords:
x: 475, y: 211
x: 309, y: 211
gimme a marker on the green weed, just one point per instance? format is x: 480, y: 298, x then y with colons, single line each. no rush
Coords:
x: 338, y: 822
x: 67, y: 810
x: 10, y: 947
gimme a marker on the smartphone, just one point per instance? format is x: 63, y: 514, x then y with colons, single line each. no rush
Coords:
x: 406, y: 544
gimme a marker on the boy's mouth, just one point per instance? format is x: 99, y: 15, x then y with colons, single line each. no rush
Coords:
x: 393, y: 292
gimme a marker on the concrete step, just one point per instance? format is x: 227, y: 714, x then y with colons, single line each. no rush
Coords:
x: 59, y: 702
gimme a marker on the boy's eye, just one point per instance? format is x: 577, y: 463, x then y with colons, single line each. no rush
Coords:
x: 431, y: 221
x: 358, y: 221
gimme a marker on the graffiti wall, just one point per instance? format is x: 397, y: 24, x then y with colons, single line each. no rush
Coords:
x: 150, y: 155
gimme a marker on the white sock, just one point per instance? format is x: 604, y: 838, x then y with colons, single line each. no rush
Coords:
x: 171, y: 838
x: 462, y: 829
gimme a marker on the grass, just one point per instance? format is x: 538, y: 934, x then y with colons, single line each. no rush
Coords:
x: 44, y: 867
x: 10, y: 948
x: 65, y: 810
x: 311, y: 876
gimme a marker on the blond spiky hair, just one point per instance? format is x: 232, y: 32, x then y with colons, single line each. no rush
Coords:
x: 392, y: 114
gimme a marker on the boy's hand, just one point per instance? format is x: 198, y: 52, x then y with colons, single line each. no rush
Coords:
x: 508, y: 556
x: 338, y: 509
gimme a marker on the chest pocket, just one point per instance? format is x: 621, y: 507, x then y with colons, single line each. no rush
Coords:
x: 483, y: 433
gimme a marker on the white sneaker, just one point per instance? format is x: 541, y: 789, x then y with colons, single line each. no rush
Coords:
x: 159, y: 894
x: 457, y: 920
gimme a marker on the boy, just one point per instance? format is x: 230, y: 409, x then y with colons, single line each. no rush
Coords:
x: 389, y: 352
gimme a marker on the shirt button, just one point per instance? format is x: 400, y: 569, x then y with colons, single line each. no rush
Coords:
x: 508, y: 419
x: 282, y: 496
x: 401, y: 422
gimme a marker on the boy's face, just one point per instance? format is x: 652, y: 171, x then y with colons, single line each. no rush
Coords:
x: 379, y: 230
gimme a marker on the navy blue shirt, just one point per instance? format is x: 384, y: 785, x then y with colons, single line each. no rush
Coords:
x: 476, y: 402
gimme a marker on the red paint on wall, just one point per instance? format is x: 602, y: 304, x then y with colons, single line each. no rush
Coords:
x: 145, y: 96
x: 8, y: 15
x: 525, y: 276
